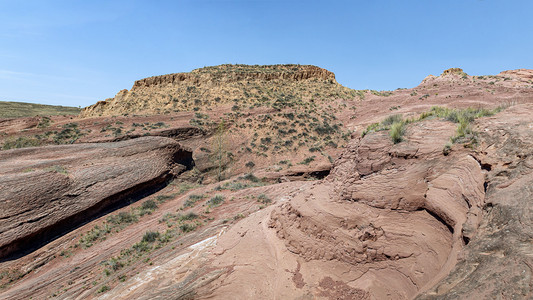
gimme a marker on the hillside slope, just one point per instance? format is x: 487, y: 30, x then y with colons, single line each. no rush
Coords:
x: 209, y: 87
x: 21, y: 109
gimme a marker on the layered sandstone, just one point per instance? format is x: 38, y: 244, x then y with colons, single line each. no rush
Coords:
x: 498, y: 261
x: 47, y: 191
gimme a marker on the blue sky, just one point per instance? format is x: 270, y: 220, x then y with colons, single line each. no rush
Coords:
x: 79, y: 52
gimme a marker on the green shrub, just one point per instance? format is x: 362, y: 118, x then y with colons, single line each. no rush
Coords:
x: 68, y: 135
x: 196, y: 197
x: 142, y: 246
x: 263, y: 199
x: 464, y: 117
x: 192, y: 200
x: 163, y: 198
x: 391, y: 120
x: 235, y: 186
x: 308, y: 160
x: 103, y: 289
x: 425, y: 115
x: 167, y: 217
x: 167, y: 237
x: 325, y: 128
x: 185, y: 186
x: 150, y: 204
x: 215, y: 201
x: 266, y: 140
x: 463, y: 130
x: 147, y: 207
x: 44, y: 122
x: 57, y: 169
x: 93, y: 235
x: 396, y: 132
x: 122, y: 218
x: 447, y: 148
x: 115, y: 264
x: 238, y: 216
x: 187, y: 227
x: 21, y: 142
x: 251, y: 177
x: 188, y: 217
x: 150, y: 236
x: 370, y: 128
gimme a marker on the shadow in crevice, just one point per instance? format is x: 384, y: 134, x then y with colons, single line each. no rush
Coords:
x: 438, y: 218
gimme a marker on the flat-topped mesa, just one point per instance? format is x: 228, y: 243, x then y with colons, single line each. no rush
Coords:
x: 231, y: 73
x: 211, y: 87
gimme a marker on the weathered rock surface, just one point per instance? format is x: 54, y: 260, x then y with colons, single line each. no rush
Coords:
x: 522, y: 74
x: 386, y: 224
x: 392, y: 221
x: 498, y: 262
x: 228, y: 73
x: 47, y: 191
x: 19, y: 124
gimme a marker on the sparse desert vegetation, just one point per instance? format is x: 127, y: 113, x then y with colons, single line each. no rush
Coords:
x: 396, y: 124
x: 240, y: 164
x: 21, y: 109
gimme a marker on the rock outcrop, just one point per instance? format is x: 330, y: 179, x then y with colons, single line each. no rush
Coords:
x: 387, y: 208
x: 231, y: 73
x: 498, y: 262
x: 47, y: 191
x: 523, y: 75
x: 214, y: 86
x: 387, y: 223
x: 454, y: 71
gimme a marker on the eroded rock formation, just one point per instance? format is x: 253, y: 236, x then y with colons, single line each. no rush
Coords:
x: 219, y: 85
x: 397, y: 221
x: 498, y: 261
x: 225, y: 74
x: 392, y: 215
x: 47, y: 191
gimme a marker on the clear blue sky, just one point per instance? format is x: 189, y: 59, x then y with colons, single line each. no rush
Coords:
x: 79, y: 52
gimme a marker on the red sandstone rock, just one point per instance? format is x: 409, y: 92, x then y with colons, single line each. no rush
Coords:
x: 392, y: 221
x: 47, y: 191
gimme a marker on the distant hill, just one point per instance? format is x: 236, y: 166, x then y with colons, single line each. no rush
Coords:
x: 21, y: 109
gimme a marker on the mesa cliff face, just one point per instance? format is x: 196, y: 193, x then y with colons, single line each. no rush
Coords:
x: 224, y: 74
x: 214, y: 86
